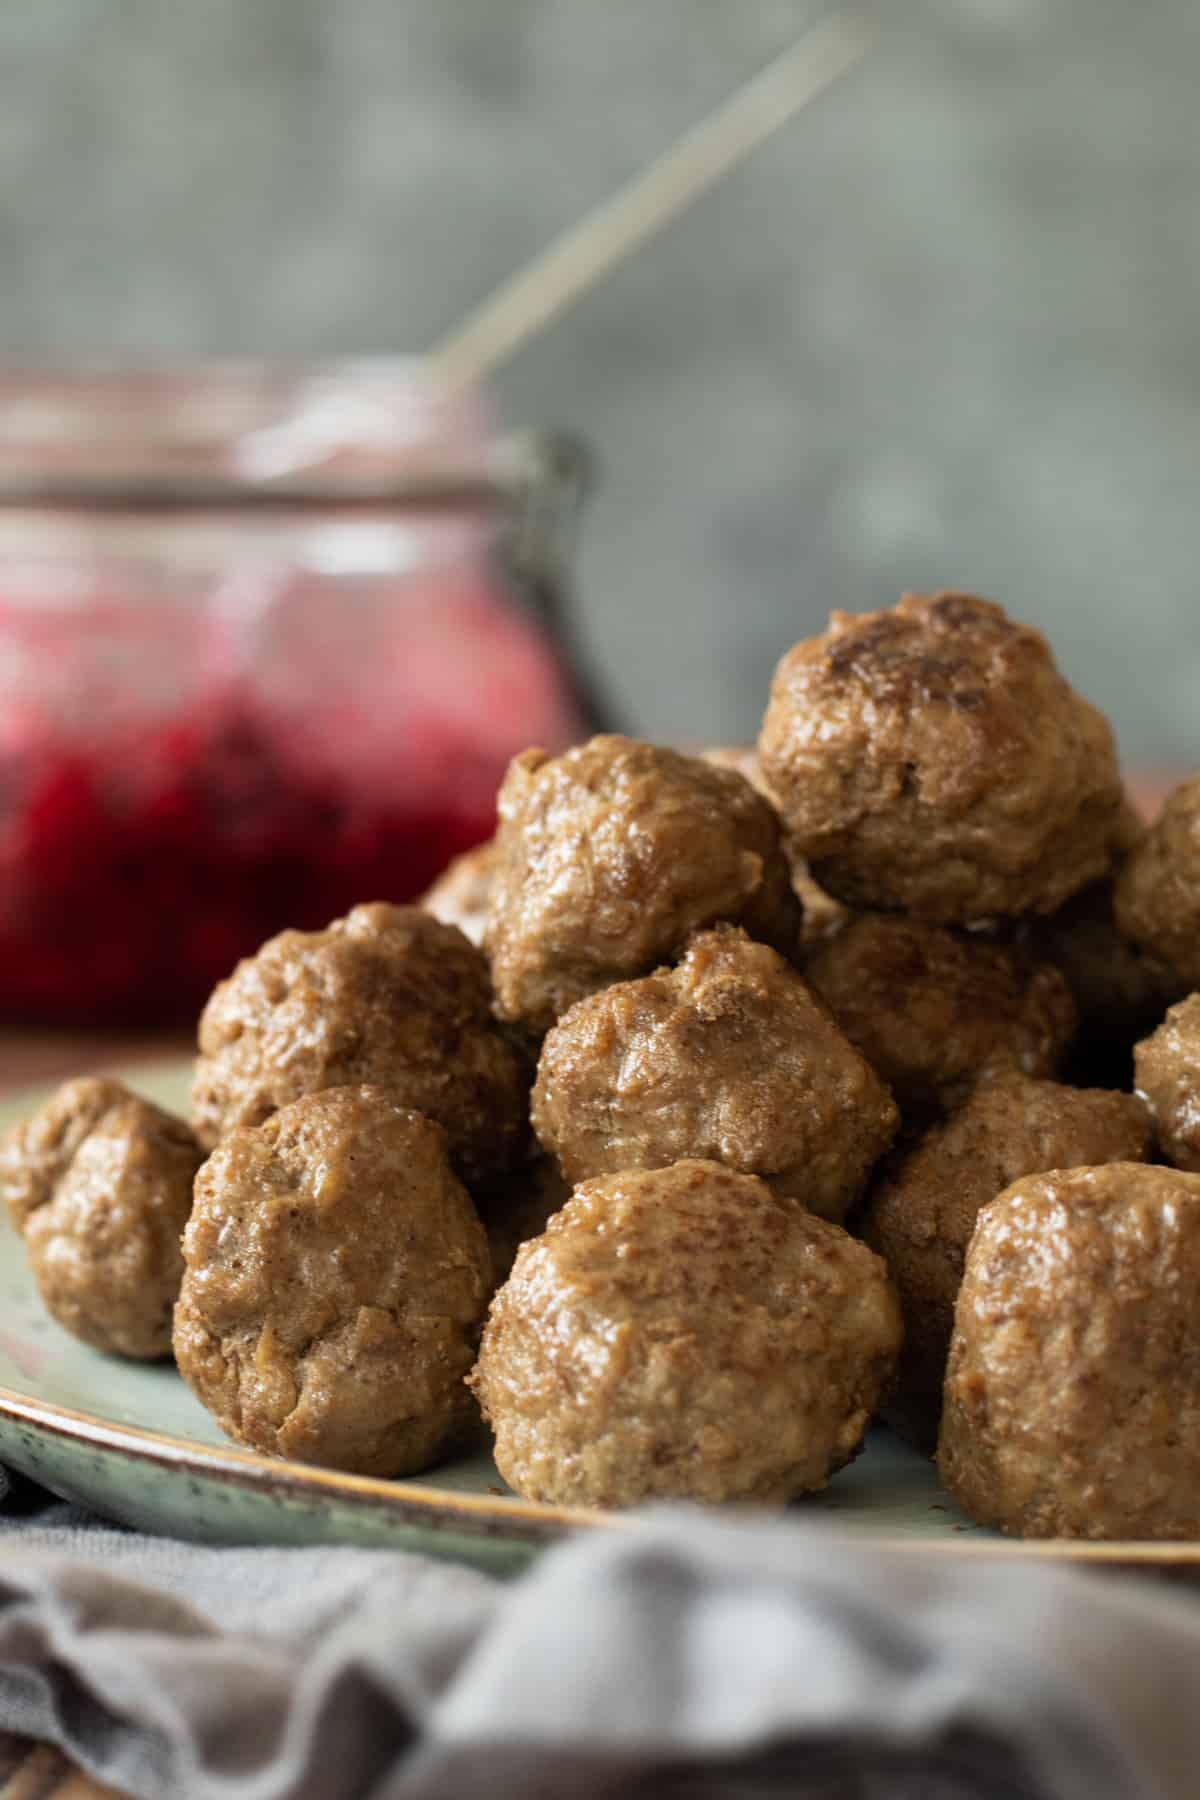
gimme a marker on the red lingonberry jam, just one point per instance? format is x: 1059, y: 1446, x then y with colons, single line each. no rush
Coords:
x: 258, y: 659
x: 171, y: 795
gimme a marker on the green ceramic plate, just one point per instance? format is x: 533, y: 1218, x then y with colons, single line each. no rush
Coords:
x: 132, y: 1442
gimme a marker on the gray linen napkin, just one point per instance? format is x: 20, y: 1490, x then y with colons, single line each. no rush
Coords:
x: 687, y: 1654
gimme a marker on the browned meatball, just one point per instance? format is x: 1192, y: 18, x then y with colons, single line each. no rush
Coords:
x: 1119, y: 990
x: 931, y: 758
x: 387, y: 995
x: 684, y: 1333
x: 727, y: 1057
x: 35, y: 1155
x: 922, y: 1211
x: 1158, y: 887
x: 518, y: 1207
x: 1073, y: 1389
x: 822, y: 914
x: 933, y: 1009
x: 1167, y: 1074
x: 1131, y: 827
x: 100, y: 1182
x: 743, y: 758
x: 462, y: 892
x: 610, y: 856
x: 337, y: 1276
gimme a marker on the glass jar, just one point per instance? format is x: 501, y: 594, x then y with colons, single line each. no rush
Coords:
x: 268, y: 638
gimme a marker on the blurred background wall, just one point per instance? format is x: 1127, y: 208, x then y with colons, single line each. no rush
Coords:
x: 941, y: 331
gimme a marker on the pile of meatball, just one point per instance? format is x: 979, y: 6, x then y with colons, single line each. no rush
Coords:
x: 719, y: 1105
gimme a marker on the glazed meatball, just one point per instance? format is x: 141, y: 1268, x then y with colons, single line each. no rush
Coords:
x: 932, y: 759
x: 1120, y: 991
x: 933, y: 1009
x: 387, y: 995
x: 728, y: 1057
x: 462, y: 892
x: 337, y: 1277
x: 100, y: 1183
x: 684, y: 1333
x: 1167, y: 1074
x: 922, y: 1211
x: 518, y: 1207
x: 1072, y: 1401
x: 610, y: 856
x: 1158, y: 887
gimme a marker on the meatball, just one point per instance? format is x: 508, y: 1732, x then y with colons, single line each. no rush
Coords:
x: 684, y: 1333
x: 1158, y: 887
x: 518, y: 1207
x: 1120, y: 991
x: 462, y: 892
x: 1072, y: 1402
x: 822, y: 915
x: 35, y: 1155
x: 741, y: 757
x: 933, y: 1009
x: 610, y: 856
x: 1167, y: 1074
x: 922, y: 1211
x: 728, y: 1057
x: 387, y: 995
x: 337, y: 1278
x: 932, y: 759
x: 100, y: 1183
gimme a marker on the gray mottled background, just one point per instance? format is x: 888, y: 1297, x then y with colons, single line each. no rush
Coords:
x: 943, y: 330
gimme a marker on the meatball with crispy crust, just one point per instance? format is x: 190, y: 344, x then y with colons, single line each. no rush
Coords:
x: 1167, y: 1076
x: 387, y: 995
x: 100, y: 1183
x: 933, y: 1009
x: 1158, y: 887
x: 729, y: 1057
x: 1072, y: 1400
x: 610, y: 856
x: 337, y: 1278
x: 932, y: 759
x: 462, y: 892
x: 684, y: 1333
x: 921, y: 1212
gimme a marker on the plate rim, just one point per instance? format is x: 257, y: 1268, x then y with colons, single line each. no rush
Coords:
x: 251, y: 1469
x: 515, y: 1518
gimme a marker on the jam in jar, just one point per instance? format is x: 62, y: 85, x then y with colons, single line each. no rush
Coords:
x: 268, y: 639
